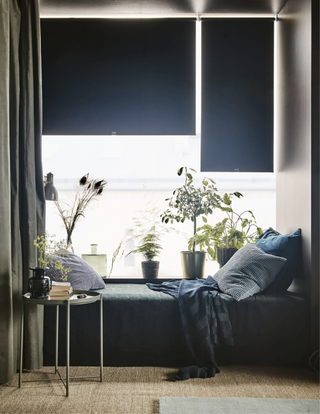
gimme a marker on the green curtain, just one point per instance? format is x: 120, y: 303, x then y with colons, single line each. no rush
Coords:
x: 22, y: 203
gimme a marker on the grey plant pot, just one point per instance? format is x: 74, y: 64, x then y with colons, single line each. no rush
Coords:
x: 150, y: 269
x: 225, y: 254
x: 193, y: 264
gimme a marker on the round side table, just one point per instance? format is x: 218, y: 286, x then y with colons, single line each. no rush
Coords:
x: 91, y: 297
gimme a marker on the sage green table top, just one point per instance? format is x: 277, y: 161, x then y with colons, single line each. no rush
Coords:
x: 92, y: 296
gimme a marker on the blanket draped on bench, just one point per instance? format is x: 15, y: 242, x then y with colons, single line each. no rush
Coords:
x: 205, y: 322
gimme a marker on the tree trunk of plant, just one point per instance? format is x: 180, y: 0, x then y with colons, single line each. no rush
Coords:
x: 194, y: 232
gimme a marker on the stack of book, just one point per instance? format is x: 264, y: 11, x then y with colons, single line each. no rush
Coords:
x: 61, y: 290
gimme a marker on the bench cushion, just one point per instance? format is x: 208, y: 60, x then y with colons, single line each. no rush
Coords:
x: 142, y: 327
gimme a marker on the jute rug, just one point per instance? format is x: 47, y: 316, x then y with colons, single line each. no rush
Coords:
x: 137, y: 390
x: 181, y: 405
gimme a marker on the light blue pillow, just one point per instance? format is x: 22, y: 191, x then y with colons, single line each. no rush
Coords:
x: 82, y: 275
x: 283, y: 245
x: 249, y: 271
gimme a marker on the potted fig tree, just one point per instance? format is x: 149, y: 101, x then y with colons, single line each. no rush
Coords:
x: 223, y: 239
x: 190, y: 202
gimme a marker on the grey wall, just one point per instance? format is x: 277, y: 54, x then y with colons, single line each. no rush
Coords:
x: 295, y: 136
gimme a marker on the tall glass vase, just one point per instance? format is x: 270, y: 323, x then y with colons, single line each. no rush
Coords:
x: 69, y: 241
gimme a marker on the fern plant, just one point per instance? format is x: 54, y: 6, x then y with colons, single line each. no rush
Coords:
x: 146, y: 234
x: 149, y: 245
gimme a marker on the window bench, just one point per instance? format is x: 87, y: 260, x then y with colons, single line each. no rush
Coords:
x: 142, y: 327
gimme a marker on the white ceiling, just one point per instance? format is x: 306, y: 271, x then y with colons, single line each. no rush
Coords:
x: 127, y: 8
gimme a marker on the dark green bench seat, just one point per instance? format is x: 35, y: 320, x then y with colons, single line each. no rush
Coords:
x: 142, y: 327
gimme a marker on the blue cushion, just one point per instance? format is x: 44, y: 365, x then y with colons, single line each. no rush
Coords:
x: 283, y: 245
x: 249, y: 271
x: 82, y: 275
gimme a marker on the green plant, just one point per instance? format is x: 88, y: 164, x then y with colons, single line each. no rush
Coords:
x: 233, y: 231
x: 189, y: 202
x: 87, y: 190
x: 147, y: 241
x: 47, y: 248
x: 149, y: 245
x: 146, y: 232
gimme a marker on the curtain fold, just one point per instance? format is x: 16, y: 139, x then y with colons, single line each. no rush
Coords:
x: 22, y: 202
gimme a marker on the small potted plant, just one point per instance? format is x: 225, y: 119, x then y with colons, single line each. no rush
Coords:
x: 146, y: 234
x: 149, y: 247
x: 223, y: 239
x: 39, y: 285
x: 189, y: 203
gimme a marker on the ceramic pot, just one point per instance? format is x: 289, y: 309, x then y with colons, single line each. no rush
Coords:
x: 224, y: 254
x: 150, y: 269
x: 193, y: 264
x: 39, y: 285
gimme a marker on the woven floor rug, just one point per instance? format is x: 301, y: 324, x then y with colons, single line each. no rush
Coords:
x: 177, y: 405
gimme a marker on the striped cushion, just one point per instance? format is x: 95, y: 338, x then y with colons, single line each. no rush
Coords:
x: 249, y: 271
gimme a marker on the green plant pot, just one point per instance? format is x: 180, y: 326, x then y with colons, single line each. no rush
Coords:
x: 193, y: 264
x: 223, y: 254
x: 150, y: 269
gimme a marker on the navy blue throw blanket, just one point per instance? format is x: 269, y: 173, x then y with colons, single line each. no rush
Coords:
x: 205, y: 322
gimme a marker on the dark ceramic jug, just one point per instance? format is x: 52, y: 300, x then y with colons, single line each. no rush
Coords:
x: 39, y: 285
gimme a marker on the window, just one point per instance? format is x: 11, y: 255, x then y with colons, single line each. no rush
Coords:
x: 141, y: 172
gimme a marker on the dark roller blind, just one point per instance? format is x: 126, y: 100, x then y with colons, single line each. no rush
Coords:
x: 128, y: 76
x: 237, y: 95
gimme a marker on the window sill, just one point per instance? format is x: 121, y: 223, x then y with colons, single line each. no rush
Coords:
x: 139, y: 280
